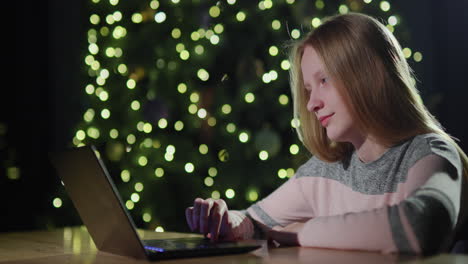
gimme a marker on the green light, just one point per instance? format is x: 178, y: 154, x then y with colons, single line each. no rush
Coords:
x: 176, y: 33
x: 223, y: 155
x: 135, y: 197
x: 249, y: 98
x: 170, y: 149
x: 93, y: 132
x: 147, y: 128
x: 189, y: 167
x: 202, y: 113
x: 184, y: 55
x: 214, y: 11
x: 230, y: 193
x: 212, y: 171
x: 142, y: 161
x: 203, y: 149
x: 290, y: 172
x: 295, y: 33
x: 417, y: 56
x: 285, y: 65
x: 290, y: 1
x: 199, y: 49
x: 219, y: 28
x: 240, y: 16
x: 319, y: 4
x: 282, y: 173
x: 203, y: 74
x: 89, y: 115
x: 125, y: 175
x: 131, y: 84
x: 159, y: 172
x: 209, y: 181
x: 316, y: 22
x: 105, y: 113
x: 243, y: 137
x: 195, y: 36
x: 57, y: 202
x: 194, y: 97
x: 154, y: 4
x: 93, y: 48
x: 192, y: 109
x: 226, y: 109
x: 295, y: 123
x: 407, y: 52
x: 276, y: 24
x: 231, y: 128
x: 80, y: 135
x: 182, y: 88
x: 212, y: 121
x: 273, y: 50
x: 114, y: 133
x: 114, y: 2
x: 94, y: 19
x: 294, y: 149
x: 135, y: 105
x: 179, y: 125
x: 283, y: 99
x: 146, y: 217
x: 214, y: 39
x: 343, y: 9
x: 215, y: 195
x: 130, y: 205
x: 393, y: 20
x: 268, y: 4
x: 131, y: 139
x: 140, y: 125
x: 159, y: 229
x: 385, y: 6
x: 139, y: 186
x: 252, y: 196
x: 263, y: 155
x: 162, y: 123
x: 147, y: 143
x: 137, y: 18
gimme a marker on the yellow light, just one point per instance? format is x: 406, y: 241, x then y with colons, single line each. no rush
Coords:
x: 89, y: 59
x: 194, y: 97
x: 231, y: 128
x: 114, y: 2
x: 290, y: 172
x: 226, y: 109
x: 137, y: 18
x: 214, y: 11
x: 203, y: 148
x: 110, y: 52
x: 282, y: 173
x: 179, y: 125
x: 192, y: 109
x: 209, y: 181
x: 343, y: 9
x: 268, y: 4
x: 146, y: 217
x: 125, y: 175
x: 140, y: 125
x: 159, y: 172
x: 195, y: 36
x: 215, y: 195
x: 94, y: 19
x: 283, y: 99
x: 295, y: 123
x: 263, y: 155
x: 243, y: 137
x: 105, y: 113
x: 290, y: 1
x: 130, y: 205
x: 189, y: 167
x: 417, y: 56
x: 223, y: 155
x: 385, y: 6
x: 184, y: 55
x: 294, y: 149
x: 249, y: 98
x: 203, y: 74
x: 230, y: 193
x: 93, y: 48
x: 57, y: 202
x: 212, y: 121
x: 110, y: 19
x: 147, y: 143
x: 170, y: 149
x: 139, y: 186
x: 147, y: 128
x: 285, y: 65
x: 199, y: 49
x: 182, y: 88
x: 261, y: 5
x: 162, y: 123
x: 214, y: 39
x: 142, y: 161
x: 131, y: 139
x: 80, y: 135
x: 273, y: 75
x: 159, y: 229
x: 273, y: 50
x: 367, y: 1
x: 295, y: 33
x: 231, y: 2
x: 276, y: 24
x: 131, y: 84
x: 252, y: 195
x: 176, y: 33
x: 168, y: 157
x: 180, y: 47
x: 154, y: 4
x: 160, y: 17
x: 212, y: 171
x: 316, y: 22
x: 135, y: 105
x: 135, y: 197
x: 266, y: 78
x: 241, y: 16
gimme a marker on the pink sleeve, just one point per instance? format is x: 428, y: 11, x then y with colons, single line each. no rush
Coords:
x: 285, y: 205
x: 423, y: 222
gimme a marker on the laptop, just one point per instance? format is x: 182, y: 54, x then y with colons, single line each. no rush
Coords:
x: 101, y: 209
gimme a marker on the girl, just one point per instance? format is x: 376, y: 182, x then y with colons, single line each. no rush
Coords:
x: 384, y: 176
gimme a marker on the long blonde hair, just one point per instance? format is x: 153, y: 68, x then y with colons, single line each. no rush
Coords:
x: 367, y: 66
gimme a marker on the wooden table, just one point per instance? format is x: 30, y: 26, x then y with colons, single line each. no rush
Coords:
x: 74, y: 245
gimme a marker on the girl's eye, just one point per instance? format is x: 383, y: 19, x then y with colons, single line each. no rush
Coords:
x: 323, y: 80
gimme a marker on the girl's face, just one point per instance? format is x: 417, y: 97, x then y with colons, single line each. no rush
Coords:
x: 324, y: 100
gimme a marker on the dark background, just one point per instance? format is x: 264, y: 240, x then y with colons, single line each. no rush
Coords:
x: 41, y: 101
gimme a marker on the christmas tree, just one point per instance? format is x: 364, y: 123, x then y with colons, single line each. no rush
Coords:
x: 190, y: 99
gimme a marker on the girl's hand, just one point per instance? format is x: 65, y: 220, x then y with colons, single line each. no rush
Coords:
x: 210, y: 217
